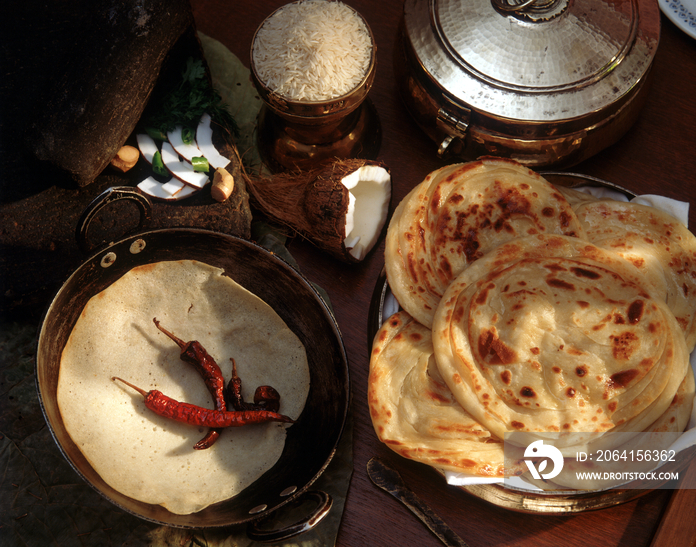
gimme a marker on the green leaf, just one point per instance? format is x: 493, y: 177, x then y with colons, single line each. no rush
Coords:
x: 231, y: 79
x: 194, y: 70
x: 185, y: 105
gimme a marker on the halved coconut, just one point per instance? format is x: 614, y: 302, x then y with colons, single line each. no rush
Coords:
x: 204, y: 140
x: 182, y: 170
x: 341, y: 206
x: 172, y: 190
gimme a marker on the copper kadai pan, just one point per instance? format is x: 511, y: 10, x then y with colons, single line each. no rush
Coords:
x: 311, y: 441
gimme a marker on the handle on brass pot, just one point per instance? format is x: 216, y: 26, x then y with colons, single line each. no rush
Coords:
x: 324, y: 502
x: 110, y: 195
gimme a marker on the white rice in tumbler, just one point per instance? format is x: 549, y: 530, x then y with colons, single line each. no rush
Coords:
x: 312, y: 50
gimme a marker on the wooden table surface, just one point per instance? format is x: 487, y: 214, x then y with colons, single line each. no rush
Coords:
x: 657, y: 155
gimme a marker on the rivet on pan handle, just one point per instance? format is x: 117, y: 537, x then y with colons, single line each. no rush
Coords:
x: 324, y: 502
x: 110, y: 195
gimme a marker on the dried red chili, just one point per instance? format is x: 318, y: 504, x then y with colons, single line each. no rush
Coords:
x: 195, y: 354
x: 265, y: 397
x: 233, y: 393
x: 187, y: 413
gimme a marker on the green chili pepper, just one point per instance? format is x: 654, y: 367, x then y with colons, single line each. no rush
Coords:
x: 156, y: 134
x: 187, y: 135
x: 200, y: 164
x: 158, y: 165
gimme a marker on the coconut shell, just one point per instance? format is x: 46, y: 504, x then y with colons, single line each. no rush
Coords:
x: 313, y: 203
x: 325, y: 206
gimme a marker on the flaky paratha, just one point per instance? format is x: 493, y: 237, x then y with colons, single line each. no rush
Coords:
x: 456, y: 215
x: 553, y: 334
x: 413, y: 411
x: 609, y: 471
x: 575, y: 197
x: 151, y: 458
x: 660, y: 246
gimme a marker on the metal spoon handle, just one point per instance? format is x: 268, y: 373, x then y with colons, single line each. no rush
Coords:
x: 389, y: 480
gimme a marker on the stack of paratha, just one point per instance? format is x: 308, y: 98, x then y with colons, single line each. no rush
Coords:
x: 532, y: 309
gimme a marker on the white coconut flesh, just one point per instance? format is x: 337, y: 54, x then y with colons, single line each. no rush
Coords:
x: 185, y: 150
x: 172, y: 190
x: 182, y: 170
x: 369, y: 190
x: 177, y: 157
x: 204, y: 140
x: 147, y: 146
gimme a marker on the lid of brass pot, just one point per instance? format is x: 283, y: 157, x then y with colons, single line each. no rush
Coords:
x: 547, y: 82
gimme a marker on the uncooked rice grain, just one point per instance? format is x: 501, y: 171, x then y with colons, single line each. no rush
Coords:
x: 312, y: 50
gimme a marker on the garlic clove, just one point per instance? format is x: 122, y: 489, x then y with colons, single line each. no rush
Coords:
x: 204, y: 140
x: 126, y: 158
x: 368, y: 208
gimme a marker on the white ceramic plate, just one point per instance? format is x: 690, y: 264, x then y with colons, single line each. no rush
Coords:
x: 682, y: 13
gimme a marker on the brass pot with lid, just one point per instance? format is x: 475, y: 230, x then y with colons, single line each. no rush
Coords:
x: 545, y: 82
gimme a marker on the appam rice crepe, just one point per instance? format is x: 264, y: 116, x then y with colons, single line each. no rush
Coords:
x: 659, y: 245
x: 413, y: 411
x: 151, y: 458
x: 553, y: 334
x: 456, y: 215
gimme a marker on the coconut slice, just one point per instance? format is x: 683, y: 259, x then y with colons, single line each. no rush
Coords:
x: 185, y: 150
x: 147, y: 145
x: 172, y: 190
x: 204, y: 140
x: 182, y: 169
x: 368, y: 207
